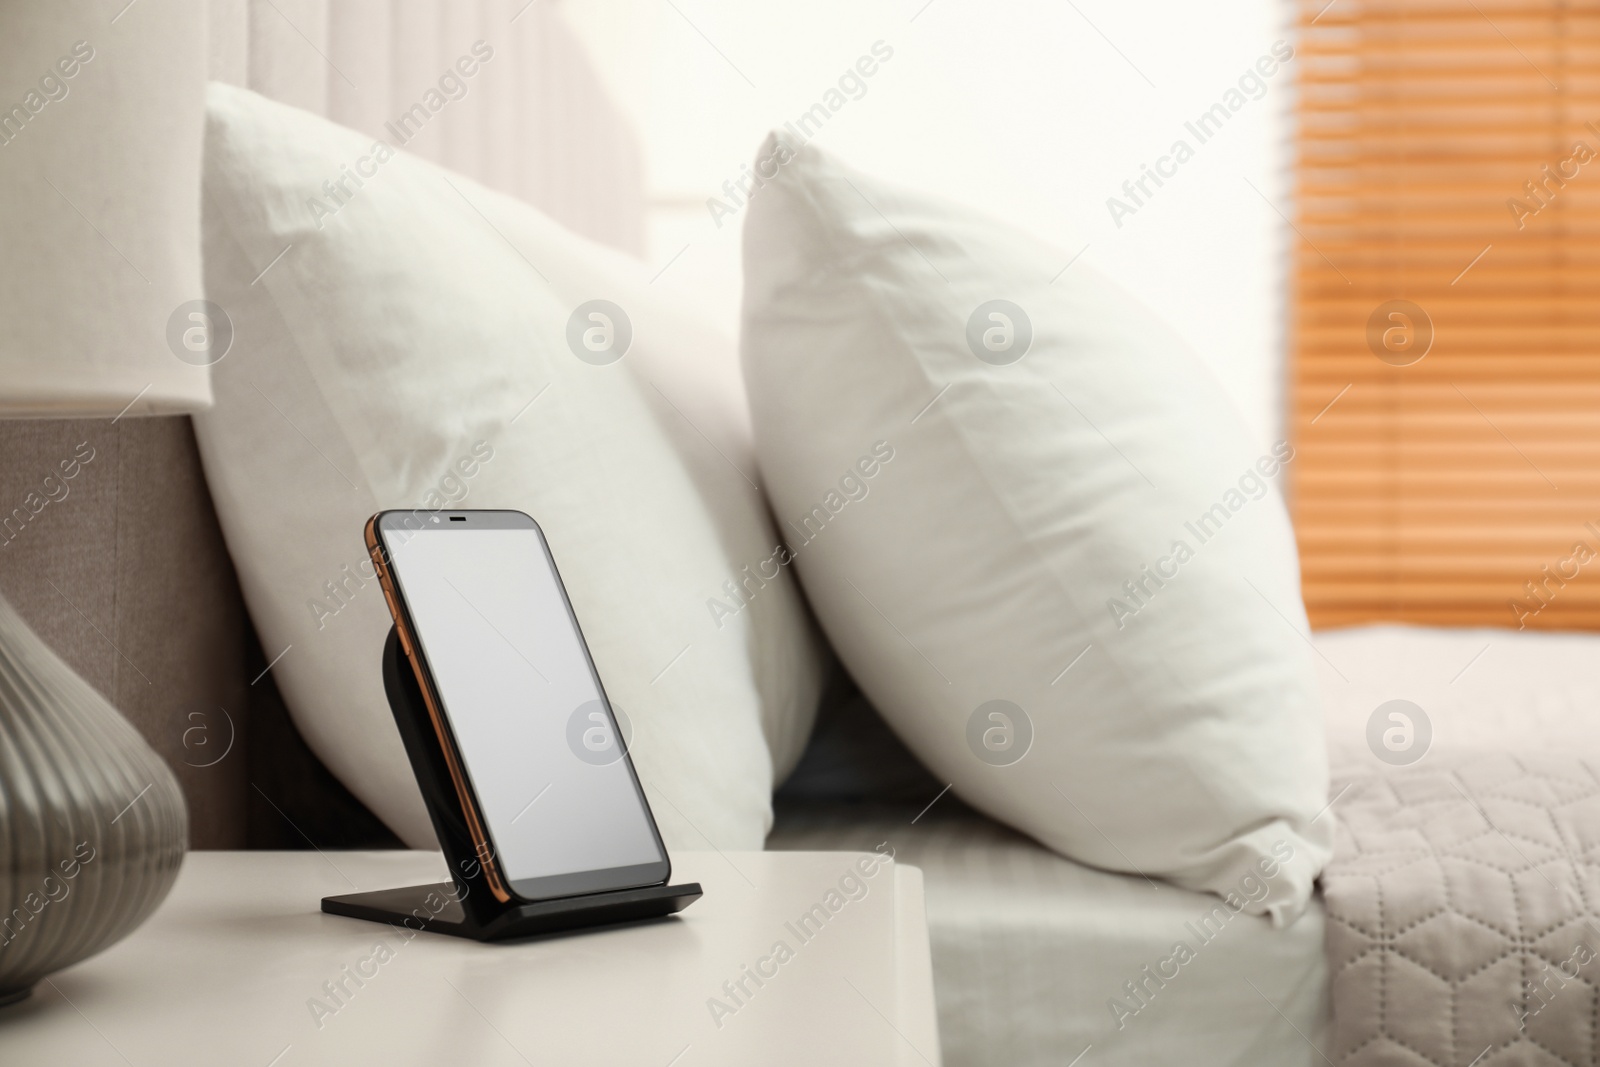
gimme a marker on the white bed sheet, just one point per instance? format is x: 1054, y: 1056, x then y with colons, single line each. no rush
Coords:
x: 1029, y: 949
x: 1480, y: 689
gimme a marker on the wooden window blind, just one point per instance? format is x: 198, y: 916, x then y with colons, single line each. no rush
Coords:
x: 1445, y: 390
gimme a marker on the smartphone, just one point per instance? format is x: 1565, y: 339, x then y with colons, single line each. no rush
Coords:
x: 545, y: 781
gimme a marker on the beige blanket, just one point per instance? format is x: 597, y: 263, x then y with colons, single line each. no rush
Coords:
x: 1462, y: 908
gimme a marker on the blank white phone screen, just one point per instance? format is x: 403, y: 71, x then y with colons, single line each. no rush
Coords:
x: 523, y: 703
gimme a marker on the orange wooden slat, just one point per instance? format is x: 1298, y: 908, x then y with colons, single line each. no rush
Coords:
x: 1435, y: 493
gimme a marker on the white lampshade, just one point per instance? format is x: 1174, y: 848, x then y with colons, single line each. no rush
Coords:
x: 101, y: 125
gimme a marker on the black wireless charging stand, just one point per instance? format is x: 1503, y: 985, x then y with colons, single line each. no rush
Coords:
x: 464, y: 906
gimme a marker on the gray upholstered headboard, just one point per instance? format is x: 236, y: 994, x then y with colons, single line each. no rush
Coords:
x: 549, y: 135
x: 126, y: 575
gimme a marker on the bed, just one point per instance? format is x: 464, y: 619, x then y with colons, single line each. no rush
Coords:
x: 1039, y: 960
x: 1034, y: 955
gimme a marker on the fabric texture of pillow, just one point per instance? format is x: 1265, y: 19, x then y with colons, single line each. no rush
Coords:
x: 1037, y: 534
x: 404, y: 338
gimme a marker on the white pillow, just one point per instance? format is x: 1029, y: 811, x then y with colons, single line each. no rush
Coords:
x: 964, y: 527
x: 406, y: 345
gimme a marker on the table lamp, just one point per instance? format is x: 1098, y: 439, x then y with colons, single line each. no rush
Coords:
x: 101, y: 127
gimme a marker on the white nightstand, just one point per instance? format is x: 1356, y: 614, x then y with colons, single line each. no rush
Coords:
x: 240, y: 967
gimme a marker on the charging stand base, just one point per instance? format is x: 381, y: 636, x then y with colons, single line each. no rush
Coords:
x: 435, y: 908
x: 465, y: 906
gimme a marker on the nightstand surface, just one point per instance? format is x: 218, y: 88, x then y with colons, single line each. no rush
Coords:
x: 240, y: 967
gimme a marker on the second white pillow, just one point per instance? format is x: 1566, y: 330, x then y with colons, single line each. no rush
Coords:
x: 1036, y: 533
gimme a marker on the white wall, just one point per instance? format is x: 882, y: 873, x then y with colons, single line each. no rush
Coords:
x: 1024, y: 109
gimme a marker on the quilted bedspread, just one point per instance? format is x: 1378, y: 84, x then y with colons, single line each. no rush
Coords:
x: 1462, y: 913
